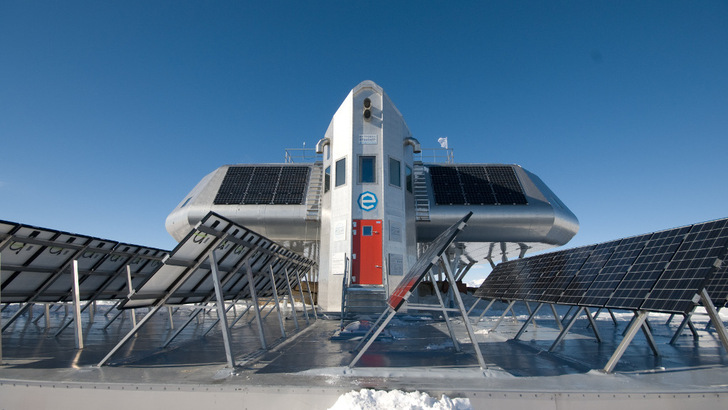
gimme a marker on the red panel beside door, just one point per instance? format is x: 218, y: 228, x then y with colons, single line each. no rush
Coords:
x: 366, y: 266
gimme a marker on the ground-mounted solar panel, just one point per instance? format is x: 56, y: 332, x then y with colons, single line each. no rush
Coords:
x: 185, y: 277
x: 499, y: 280
x: 425, y: 262
x: 647, y: 268
x: 573, y: 260
x: 690, y: 269
x: 476, y: 185
x: 263, y: 185
x: 583, y: 279
x: 549, y: 267
x: 37, y: 264
x: 614, y: 270
x: 717, y: 286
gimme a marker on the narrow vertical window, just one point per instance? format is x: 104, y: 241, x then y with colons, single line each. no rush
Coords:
x: 327, y: 179
x: 341, y: 172
x: 408, y: 176
x: 367, y: 170
x: 395, y: 173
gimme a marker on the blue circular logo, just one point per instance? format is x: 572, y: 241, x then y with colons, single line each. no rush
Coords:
x: 367, y: 201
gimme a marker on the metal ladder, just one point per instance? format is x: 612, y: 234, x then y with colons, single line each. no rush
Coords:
x: 315, y: 190
x: 422, y: 201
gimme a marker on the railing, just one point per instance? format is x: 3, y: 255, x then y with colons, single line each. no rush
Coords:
x: 436, y: 155
x: 302, y: 155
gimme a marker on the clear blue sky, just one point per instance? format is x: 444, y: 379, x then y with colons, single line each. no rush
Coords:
x: 110, y: 112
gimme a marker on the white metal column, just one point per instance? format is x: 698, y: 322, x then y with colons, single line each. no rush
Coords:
x: 77, y: 307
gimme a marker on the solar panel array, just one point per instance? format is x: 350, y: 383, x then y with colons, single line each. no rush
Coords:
x: 263, y: 185
x: 35, y: 265
x: 425, y: 262
x: 185, y: 275
x: 476, y: 185
x: 661, y: 271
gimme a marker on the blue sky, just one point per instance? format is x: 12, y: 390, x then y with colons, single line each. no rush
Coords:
x: 110, y: 112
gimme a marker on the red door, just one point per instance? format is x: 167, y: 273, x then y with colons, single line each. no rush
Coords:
x: 366, y: 263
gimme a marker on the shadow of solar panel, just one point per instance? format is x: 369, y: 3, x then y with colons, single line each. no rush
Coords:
x: 578, y: 286
x: 425, y: 262
x: 614, y: 270
x: 689, y: 270
x: 573, y: 260
x: 647, y: 268
x: 505, y: 185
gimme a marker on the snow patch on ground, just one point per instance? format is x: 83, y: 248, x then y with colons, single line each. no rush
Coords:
x: 375, y: 399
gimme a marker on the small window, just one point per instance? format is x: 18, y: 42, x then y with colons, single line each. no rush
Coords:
x: 408, y: 176
x: 366, y: 231
x: 327, y: 179
x: 367, y: 170
x: 395, y: 172
x: 341, y: 172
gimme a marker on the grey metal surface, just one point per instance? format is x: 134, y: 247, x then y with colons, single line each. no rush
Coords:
x: 301, y: 373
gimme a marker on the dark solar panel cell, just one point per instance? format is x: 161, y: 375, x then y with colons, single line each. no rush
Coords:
x: 498, y: 281
x: 258, y: 185
x: 647, y: 269
x: 574, y: 260
x: 690, y: 269
x: 578, y: 286
x: 611, y: 274
x: 476, y: 184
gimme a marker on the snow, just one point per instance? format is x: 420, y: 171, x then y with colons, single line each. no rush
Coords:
x: 396, y: 399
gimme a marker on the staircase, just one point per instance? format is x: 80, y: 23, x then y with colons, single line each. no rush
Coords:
x: 364, y: 300
x: 422, y: 201
x: 315, y: 190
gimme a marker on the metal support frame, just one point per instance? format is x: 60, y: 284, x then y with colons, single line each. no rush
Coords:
x: 444, y: 312
x: 487, y: 308
x: 221, y: 312
x: 161, y: 302
x: 290, y: 298
x: 685, y: 322
x: 714, y: 318
x: 566, y: 329
x: 300, y: 290
x: 464, y: 313
x: 528, y: 321
x: 277, y: 301
x: 636, y: 324
x: 505, y: 312
x: 371, y: 339
x: 78, y: 334
x: 556, y: 317
x: 254, y: 296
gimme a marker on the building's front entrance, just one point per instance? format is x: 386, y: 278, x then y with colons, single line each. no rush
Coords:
x: 366, y: 266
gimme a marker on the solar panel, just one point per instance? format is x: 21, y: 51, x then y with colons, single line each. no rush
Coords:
x: 689, y: 270
x: 616, y: 267
x: 499, y: 280
x: 647, y: 268
x: 36, y: 264
x: 573, y: 260
x: 185, y: 275
x: 717, y: 286
x: 583, y: 279
x: 476, y: 185
x: 263, y: 185
x: 425, y: 262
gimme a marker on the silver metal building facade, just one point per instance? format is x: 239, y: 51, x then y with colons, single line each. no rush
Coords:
x: 371, y: 202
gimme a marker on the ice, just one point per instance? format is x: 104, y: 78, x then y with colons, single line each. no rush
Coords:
x: 396, y: 399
